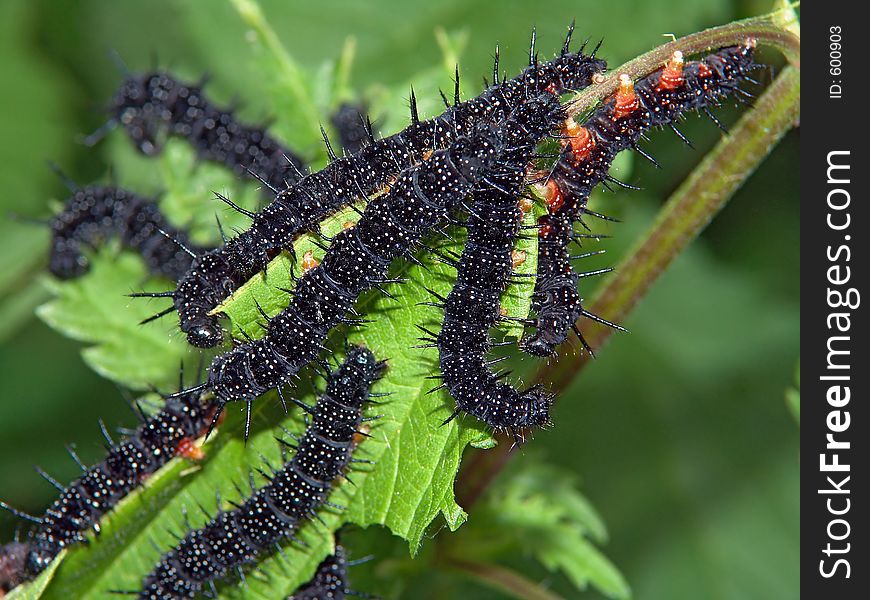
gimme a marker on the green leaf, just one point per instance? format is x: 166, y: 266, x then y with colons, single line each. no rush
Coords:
x: 582, y: 563
x: 33, y: 590
x: 537, y: 510
x: 94, y: 310
x: 185, y: 187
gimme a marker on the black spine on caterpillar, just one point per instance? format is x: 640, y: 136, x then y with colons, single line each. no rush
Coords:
x: 356, y: 261
x: 84, y: 502
x: 154, y: 105
x: 352, y: 127
x: 655, y: 101
x: 235, y: 538
x: 329, y: 581
x: 303, y: 205
x: 94, y: 213
x: 483, y: 273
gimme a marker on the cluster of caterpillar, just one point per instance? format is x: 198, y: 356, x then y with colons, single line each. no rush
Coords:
x: 658, y: 99
x: 482, y: 274
x: 145, y: 106
x: 322, y: 455
x: 329, y: 582
x: 421, y: 176
x: 153, y: 106
x: 94, y: 213
x: 358, y: 258
x: 80, y: 505
x: 236, y: 537
x: 300, y: 207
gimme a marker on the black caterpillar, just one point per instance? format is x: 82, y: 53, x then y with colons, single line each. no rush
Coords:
x: 237, y: 537
x: 94, y: 213
x: 390, y: 227
x: 329, y: 581
x: 654, y: 101
x: 483, y: 273
x: 83, y: 503
x: 13, y: 556
x: 353, y: 127
x: 556, y: 300
x: 153, y: 106
x: 300, y: 207
x: 357, y: 260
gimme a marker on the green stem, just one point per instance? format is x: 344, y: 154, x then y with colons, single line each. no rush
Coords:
x: 767, y: 30
x: 503, y: 579
x: 252, y: 14
x: 341, y: 87
x: 689, y: 209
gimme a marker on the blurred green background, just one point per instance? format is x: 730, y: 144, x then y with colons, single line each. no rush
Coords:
x: 679, y: 431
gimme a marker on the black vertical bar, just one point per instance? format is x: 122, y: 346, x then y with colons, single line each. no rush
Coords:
x: 834, y: 258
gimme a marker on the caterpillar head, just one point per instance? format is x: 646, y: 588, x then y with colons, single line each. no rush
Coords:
x: 205, y: 335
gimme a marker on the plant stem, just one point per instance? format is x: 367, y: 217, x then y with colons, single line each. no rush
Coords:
x: 252, y: 15
x: 766, y: 30
x: 688, y: 210
x: 503, y: 579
